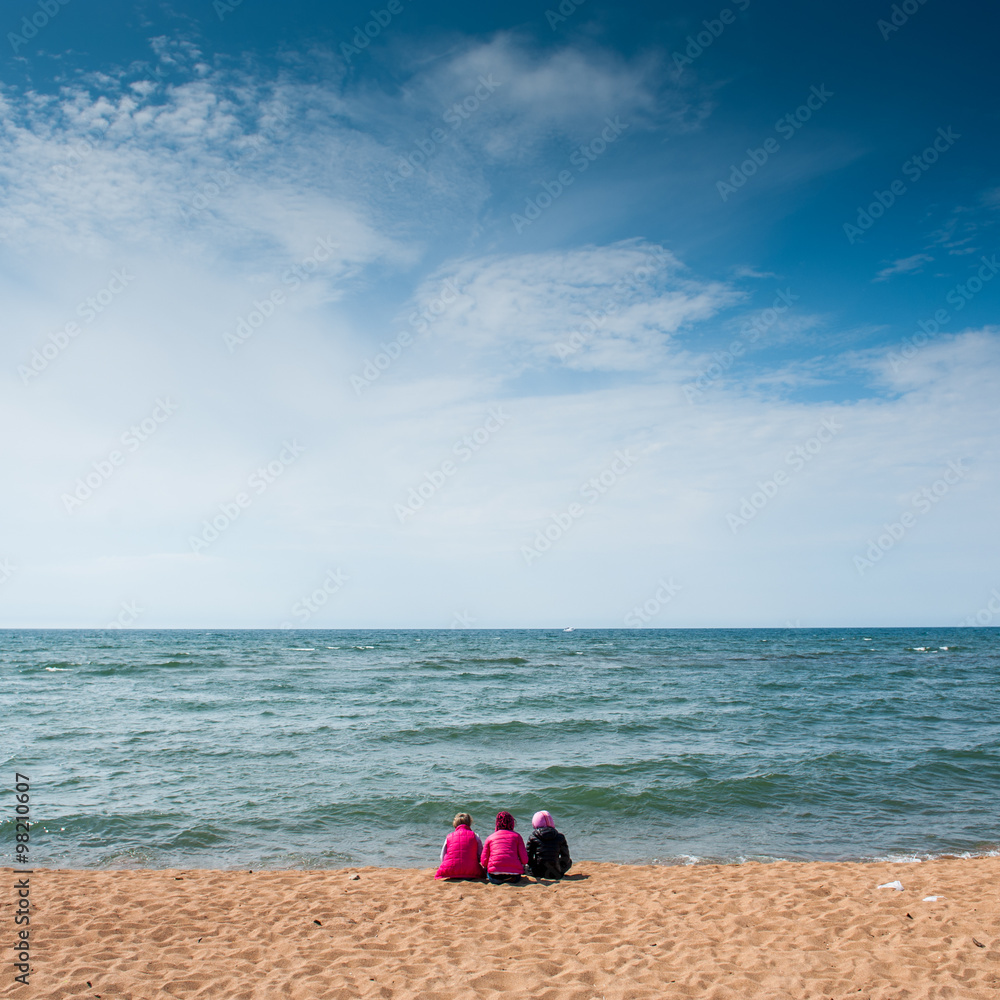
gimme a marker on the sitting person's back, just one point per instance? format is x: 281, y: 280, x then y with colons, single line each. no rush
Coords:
x: 548, y: 851
x: 504, y: 856
x: 461, y: 850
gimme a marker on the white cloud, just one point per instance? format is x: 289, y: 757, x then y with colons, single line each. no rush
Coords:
x: 905, y: 265
x: 973, y: 353
x: 560, y: 93
x: 747, y: 271
x: 110, y: 161
x: 153, y: 152
x: 591, y: 309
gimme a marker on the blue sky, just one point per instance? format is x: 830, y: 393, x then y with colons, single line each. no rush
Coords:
x: 424, y: 316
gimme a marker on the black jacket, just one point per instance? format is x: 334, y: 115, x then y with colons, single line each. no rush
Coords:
x: 548, y: 853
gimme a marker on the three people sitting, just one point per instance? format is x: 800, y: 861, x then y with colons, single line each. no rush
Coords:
x: 503, y: 858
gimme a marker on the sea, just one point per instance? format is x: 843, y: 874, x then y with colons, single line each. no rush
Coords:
x: 328, y: 749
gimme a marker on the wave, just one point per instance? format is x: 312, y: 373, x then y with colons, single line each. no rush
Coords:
x: 480, y: 732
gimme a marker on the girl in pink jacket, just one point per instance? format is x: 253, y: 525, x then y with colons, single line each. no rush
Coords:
x: 504, y: 856
x: 460, y: 853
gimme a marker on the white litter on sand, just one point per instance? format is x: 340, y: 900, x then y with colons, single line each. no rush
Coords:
x: 897, y: 885
x: 932, y: 899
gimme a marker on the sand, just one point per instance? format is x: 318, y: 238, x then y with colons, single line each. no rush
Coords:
x: 611, y: 932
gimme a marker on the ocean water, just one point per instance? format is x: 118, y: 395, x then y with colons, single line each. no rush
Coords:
x: 314, y: 749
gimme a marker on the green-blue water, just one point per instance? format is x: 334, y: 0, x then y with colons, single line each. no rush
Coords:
x: 275, y: 749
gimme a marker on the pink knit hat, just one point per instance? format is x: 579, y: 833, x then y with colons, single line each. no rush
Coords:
x: 542, y: 818
x: 505, y: 821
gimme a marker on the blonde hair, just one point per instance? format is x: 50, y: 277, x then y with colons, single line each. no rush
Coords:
x: 460, y: 819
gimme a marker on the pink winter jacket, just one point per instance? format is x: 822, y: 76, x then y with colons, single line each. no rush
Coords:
x: 460, y: 855
x: 504, y: 853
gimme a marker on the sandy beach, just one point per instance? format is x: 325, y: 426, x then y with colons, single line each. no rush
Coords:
x: 613, y: 932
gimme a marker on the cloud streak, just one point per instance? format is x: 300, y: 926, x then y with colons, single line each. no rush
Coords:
x: 212, y: 188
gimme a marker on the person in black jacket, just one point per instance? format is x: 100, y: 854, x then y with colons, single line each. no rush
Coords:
x: 548, y: 852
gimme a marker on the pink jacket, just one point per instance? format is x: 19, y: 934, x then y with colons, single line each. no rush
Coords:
x: 460, y: 855
x: 504, y: 853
